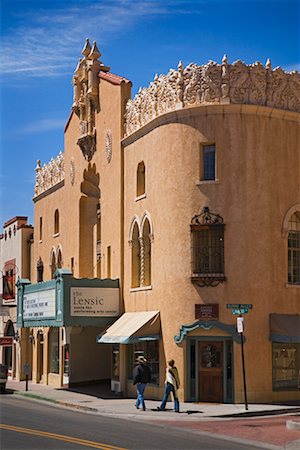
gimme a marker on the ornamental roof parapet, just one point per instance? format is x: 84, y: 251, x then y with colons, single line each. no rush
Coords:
x: 213, y: 83
x: 49, y: 175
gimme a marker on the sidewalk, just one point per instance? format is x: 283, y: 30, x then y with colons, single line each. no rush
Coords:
x: 265, y: 425
x: 99, y: 400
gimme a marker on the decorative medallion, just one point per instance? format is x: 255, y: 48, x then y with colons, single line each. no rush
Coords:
x: 108, y: 145
x: 72, y: 171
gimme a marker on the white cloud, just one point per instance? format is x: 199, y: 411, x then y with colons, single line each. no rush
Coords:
x: 48, y: 42
x: 40, y: 126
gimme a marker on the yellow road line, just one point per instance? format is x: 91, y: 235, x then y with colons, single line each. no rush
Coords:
x: 61, y: 437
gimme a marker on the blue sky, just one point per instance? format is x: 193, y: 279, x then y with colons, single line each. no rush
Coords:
x: 41, y: 43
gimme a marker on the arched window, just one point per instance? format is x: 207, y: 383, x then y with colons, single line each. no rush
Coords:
x: 53, y: 264
x: 56, y: 222
x: 41, y: 228
x: 40, y: 270
x: 294, y: 249
x: 147, y: 253
x: 140, y: 184
x: 135, y: 257
x: 59, y: 259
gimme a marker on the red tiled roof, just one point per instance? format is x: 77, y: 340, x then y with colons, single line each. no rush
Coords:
x: 14, y: 219
x: 112, y: 78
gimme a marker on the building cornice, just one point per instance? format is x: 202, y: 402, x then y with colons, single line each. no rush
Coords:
x: 214, y: 84
x: 182, y: 114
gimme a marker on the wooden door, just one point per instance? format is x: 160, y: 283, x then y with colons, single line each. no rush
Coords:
x: 211, y: 371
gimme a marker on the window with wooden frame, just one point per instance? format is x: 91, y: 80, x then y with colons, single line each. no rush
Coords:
x: 56, y: 222
x: 294, y: 249
x: 140, y: 182
x: 208, y: 162
x: 207, y: 230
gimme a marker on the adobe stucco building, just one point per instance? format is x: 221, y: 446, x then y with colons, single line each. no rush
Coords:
x: 182, y: 201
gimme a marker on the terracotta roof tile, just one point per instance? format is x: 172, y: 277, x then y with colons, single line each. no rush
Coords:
x: 112, y: 78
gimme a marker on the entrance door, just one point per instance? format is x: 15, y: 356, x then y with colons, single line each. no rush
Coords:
x: 211, y: 371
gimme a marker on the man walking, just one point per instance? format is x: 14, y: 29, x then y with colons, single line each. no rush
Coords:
x: 141, y: 376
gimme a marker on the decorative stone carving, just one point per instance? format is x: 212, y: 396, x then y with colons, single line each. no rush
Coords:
x: 49, y: 175
x: 214, y: 83
x: 72, y: 171
x: 108, y: 145
x: 86, y: 97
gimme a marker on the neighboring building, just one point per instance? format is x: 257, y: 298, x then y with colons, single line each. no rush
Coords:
x: 15, y: 243
x: 188, y: 197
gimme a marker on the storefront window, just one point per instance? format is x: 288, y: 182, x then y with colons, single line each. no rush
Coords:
x: 54, y: 350
x: 286, y: 366
x: 66, y: 359
x: 115, y: 362
x: 150, y: 350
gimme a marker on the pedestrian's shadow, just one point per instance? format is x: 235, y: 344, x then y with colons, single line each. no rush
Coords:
x: 189, y: 412
x: 7, y: 392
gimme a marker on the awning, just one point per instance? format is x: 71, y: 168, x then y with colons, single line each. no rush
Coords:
x: 132, y: 327
x: 285, y: 328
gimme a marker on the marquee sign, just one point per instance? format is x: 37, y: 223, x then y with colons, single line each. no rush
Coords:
x: 39, y: 305
x: 94, y: 302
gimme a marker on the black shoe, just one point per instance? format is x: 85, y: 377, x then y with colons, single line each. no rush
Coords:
x: 160, y: 409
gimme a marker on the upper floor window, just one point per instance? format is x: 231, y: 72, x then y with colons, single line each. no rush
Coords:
x: 141, y: 242
x: 135, y: 257
x: 53, y: 264
x: 208, y: 163
x: 207, y: 248
x: 140, y: 184
x: 59, y: 259
x: 56, y: 222
x: 294, y: 249
x: 41, y: 229
x: 40, y: 270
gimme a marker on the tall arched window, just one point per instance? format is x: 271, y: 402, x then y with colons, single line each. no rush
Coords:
x: 40, y: 270
x: 56, y: 222
x: 147, y: 253
x: 140, y: 183
x: 135, y: 257
x: 59, y: 259
x: 294, y: 249
x: 53, y: 264
x: 41, y: 228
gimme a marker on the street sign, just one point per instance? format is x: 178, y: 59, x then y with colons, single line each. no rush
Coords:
x: 238, y: 306
x: 26, y: 369
x: 240, y: 311
x: 240, y: 324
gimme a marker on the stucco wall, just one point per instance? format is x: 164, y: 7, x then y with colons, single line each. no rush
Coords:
x: 257, y: 183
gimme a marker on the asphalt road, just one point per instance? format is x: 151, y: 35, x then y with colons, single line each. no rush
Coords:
x: 26, y: 424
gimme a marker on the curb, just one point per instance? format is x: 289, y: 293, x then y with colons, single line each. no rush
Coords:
x: 57, y: 402
x: 293, y: 425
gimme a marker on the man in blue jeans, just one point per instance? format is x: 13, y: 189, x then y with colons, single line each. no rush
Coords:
x: 172, y: 384
x: 141, y: 376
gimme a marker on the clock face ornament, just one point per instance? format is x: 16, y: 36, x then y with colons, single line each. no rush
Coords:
x: 72, y: 171
x: 108, y: 145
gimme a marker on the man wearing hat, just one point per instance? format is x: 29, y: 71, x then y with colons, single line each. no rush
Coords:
x: 141, y: 376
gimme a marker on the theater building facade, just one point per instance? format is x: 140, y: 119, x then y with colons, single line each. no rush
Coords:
x: 187, y: 197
